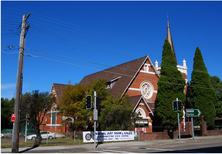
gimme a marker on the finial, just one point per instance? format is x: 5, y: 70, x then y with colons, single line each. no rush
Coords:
x: 156, y: 64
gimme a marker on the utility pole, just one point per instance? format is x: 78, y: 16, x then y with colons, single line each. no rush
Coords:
x: 18, y: 96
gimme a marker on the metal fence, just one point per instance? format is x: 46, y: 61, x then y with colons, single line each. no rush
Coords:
x: 71, y: 138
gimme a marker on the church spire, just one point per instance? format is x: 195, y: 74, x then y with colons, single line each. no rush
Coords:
x: 169, y: 38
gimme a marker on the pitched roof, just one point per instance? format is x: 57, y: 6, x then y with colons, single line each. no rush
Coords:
x: 124, y: 72
x: 58, y: 90
x: 135, y: 101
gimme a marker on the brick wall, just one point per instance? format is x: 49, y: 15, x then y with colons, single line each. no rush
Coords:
x: 162, y: 135
x: 214, y: 132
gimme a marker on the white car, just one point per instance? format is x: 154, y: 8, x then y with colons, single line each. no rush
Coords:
x: 44, y: 134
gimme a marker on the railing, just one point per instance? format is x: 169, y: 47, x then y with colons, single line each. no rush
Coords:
x: 71, y: 138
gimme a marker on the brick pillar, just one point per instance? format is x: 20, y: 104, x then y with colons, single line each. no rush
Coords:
x: 203, y: 127
x: 189, y: 128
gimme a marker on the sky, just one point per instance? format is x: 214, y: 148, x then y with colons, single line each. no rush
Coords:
x: 69, y: 40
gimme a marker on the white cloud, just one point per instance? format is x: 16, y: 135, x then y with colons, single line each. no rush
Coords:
x: 8, y: 86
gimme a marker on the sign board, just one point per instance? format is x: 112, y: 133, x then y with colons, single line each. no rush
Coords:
x: 95, y: 114
x: 105, y: 136
x: 13, y: 118
x: 141, y: 123
x: 193, y: 112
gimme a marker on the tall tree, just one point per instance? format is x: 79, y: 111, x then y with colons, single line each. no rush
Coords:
x: 35, y: 105
x: 217, y: 84
x: 170, y: 86
x: 202, y: 93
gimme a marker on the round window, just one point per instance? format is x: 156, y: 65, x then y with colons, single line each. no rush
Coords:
x: 146, y: 90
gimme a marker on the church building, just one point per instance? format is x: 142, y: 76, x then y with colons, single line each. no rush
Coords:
x: 137, y: 78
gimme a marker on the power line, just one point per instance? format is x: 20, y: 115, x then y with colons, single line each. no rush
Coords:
x: 91, y: 63
x: 29, y: 55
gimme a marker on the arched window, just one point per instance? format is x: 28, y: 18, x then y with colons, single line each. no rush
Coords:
x: 53, y: 114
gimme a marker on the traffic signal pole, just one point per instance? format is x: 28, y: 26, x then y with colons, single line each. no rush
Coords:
x: 94, y: 119
x: 178, y: 116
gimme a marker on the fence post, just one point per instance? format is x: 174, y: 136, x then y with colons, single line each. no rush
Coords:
x: 138, y: 134
x: 74, y: 136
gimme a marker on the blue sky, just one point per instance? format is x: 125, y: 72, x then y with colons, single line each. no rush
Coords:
x: 108, y: 33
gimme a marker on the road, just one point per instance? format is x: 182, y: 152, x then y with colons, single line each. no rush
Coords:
x: 210, y: 144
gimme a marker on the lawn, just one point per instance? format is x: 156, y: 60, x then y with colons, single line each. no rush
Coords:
x: 7, y: 143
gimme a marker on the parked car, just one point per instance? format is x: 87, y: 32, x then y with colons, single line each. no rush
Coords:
x: 44, y: 134
x: 6, y: 135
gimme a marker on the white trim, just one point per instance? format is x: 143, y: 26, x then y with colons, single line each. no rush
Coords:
x: 127, y: 87
x: 142, y: 112
x: 135, y: 89
x: 148, y: 106
x: 148, y: 72
x: 151, y: 88
x: 53, y: 124
x: 52, y: 112
x: 114, y: 79
x: 151, y: 63
x: 145, y: 103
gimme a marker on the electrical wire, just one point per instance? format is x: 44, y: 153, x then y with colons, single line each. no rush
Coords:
x: 30, y: 55
x: 95, y: 63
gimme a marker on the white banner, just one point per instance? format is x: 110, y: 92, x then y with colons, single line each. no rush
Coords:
x: 104, y: 136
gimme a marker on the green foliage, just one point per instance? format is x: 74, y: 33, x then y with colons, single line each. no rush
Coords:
x: 217, y: 85
x: 170, y: 86
x: 73, y: 104
x: 35, y: 105
x: 7, y: 109
x: 202, y: 93
x: 116, y: 114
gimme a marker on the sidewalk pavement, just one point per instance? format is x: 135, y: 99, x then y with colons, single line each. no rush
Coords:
x: 89, y: 147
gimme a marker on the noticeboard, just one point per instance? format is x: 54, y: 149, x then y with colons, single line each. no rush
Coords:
x: 141, y: 123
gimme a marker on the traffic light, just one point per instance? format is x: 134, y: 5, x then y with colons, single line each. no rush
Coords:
x: 175, y: 106
x: 98, y: 102
x: 180, y: 107
x: 99, y: 112
x: 88, y: 102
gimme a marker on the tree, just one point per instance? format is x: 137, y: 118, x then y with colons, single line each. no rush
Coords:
x: 6, y: 112
x: 73, y: 105
x: 170, y: 86
x: 217, y: 84
x: 116, y: 114
x: 35, y: 105
x: 202, y: 93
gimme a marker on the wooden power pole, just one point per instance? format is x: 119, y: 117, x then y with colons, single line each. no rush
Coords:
x: 15, y: 133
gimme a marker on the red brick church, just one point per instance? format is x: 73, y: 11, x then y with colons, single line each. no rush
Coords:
x: 137, y: 78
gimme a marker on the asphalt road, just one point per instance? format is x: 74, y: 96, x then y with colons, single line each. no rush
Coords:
x: 210, y: 144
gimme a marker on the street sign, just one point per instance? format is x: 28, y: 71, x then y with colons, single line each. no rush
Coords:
x: 13, y: 118
x: 193, y: 112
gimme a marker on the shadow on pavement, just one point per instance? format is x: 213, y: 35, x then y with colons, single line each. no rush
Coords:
x: 199, y: 150
x: 34, y: 146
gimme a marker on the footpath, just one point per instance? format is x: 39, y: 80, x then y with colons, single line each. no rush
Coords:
x: 86, y: 148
